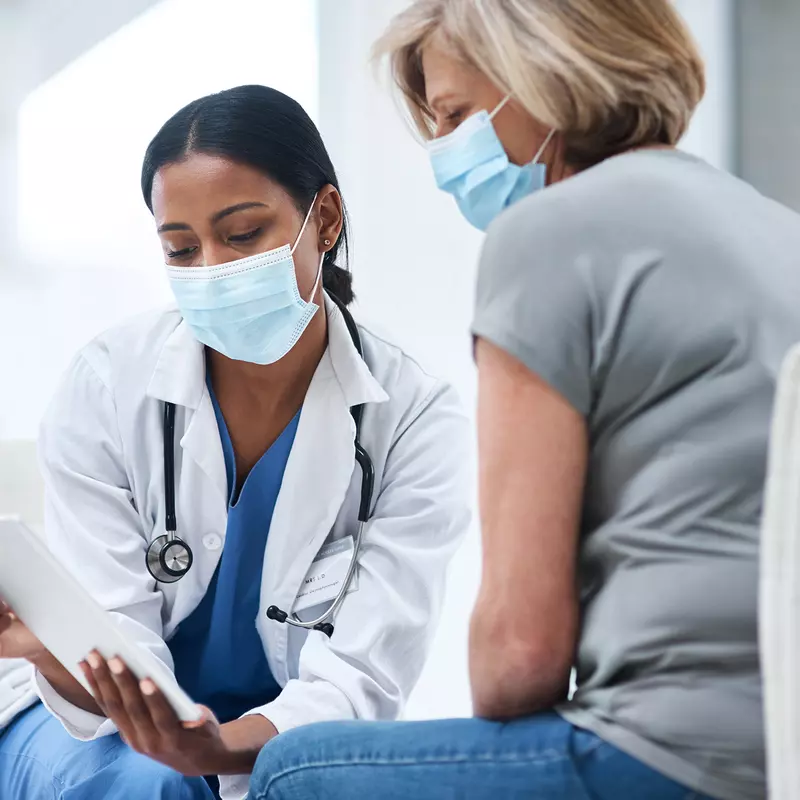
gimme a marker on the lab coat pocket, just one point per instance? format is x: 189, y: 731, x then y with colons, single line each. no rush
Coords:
x: 326, y: 576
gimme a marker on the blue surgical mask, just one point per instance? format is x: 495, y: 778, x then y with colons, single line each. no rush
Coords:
x: 250, y: 309
x: 471, y: 164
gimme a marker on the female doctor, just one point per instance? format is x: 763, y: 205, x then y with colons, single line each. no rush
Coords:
x: 260, y: 374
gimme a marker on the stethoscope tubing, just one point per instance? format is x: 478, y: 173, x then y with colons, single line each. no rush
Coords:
x: 158, y: 548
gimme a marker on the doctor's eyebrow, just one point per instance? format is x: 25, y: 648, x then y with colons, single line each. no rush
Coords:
x: 173, y: 226
x: 226, y: 212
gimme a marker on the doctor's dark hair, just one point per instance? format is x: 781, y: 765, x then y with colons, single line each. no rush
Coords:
x: 264, y: 129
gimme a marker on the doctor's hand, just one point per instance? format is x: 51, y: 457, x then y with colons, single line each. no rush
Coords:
x: 149, y: 726
x: 16, y: 641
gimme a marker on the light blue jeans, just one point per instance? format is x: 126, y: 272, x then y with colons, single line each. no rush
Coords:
x: 541, y: 758
x: 39, y: 760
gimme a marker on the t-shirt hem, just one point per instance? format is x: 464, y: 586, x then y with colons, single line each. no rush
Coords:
x: 659, y: 759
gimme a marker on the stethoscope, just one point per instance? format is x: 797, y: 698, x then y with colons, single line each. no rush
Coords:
x: 169, y: 557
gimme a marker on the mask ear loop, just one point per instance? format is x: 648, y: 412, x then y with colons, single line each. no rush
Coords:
x: 297, y: 242
x: 503, y: 103
x: 319, y: 277
x: 305, y: 224
x: 544, y: 146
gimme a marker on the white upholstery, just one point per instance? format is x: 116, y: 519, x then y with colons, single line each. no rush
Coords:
x: 21, y: 489
x: 780, y: 589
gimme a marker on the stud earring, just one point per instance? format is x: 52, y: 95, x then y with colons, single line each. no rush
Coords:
x: 327, y: 243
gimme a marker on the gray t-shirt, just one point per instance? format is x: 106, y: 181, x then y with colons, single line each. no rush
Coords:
x: 659, y: 296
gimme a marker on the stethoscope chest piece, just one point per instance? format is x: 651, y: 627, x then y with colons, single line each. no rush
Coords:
x: 169, y: 558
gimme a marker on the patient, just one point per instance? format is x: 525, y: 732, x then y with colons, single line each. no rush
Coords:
x: 633, y: 307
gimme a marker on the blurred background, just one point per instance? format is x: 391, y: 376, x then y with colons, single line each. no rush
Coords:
x: 85, y: 85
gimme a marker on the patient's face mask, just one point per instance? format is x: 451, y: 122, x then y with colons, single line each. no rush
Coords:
x: 248, y: 310
x: 471, y: 164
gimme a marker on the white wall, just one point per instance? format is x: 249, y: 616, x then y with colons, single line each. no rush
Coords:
x: 11, y: 28
x: 37, y: 39
x: 713, y: 135
x: 769, y: 112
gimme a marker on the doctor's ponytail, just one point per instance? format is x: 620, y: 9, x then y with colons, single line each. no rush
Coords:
x: 337, y: 280
x: 269, y: 131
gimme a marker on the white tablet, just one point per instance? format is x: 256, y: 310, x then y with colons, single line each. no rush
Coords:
x: 67, y: 620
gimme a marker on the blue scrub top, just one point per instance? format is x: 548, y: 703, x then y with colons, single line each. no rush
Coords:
x: 218, y: 654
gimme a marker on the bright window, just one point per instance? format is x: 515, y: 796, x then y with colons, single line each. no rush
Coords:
x: 83, y: 133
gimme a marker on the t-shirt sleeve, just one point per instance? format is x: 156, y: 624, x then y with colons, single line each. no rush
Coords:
x: 533, y: 300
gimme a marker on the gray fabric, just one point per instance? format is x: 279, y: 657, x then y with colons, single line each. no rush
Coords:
x: 658, y: 296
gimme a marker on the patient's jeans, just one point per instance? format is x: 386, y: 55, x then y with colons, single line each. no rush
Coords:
x: 541, y: 758
x: 39, y: 760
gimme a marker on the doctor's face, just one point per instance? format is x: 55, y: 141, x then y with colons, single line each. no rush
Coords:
x: 210, y: 210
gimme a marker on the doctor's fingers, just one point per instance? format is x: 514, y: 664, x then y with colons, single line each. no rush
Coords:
x: 7, y: 619
x: 165, y: 719
x: 16, y: 641
x: 149, y: 736
x: 107, y: 694
x: 7, y: 613
x: 93, y: 687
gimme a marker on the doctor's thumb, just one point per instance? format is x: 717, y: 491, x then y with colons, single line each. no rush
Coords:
x: 206, y: 717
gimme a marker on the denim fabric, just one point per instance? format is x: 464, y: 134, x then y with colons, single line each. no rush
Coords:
x: 541, y: 758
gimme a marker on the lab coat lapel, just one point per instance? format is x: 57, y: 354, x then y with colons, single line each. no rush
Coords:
x: 313, y: 490
x: 180, y: 378
x: 203, y: 445
x: 318, y: 474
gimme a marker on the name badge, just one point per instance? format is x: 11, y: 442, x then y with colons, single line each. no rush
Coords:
x: 324, y: 580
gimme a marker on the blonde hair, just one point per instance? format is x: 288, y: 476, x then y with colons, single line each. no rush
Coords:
x: 609, y: 75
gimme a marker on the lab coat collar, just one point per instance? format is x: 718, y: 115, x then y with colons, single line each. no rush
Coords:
x: 180, y: 373
x: 358, y: 384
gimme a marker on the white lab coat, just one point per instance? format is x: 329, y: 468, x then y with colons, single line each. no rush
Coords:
x: 102, y: 457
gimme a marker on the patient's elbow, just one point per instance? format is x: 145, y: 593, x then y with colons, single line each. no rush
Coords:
x: 515, y: 677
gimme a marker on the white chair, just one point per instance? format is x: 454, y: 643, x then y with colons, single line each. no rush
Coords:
x: 21, y: 487
x: 780, y: 589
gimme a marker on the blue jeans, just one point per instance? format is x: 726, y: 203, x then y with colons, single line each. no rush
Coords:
x: 39, y: 760
x: 541, y: 758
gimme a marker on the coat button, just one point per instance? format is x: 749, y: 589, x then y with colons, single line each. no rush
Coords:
x: 212, y: 541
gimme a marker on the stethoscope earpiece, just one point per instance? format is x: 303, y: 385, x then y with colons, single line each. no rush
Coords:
x: 275, y: 614
x: 325, y: 627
